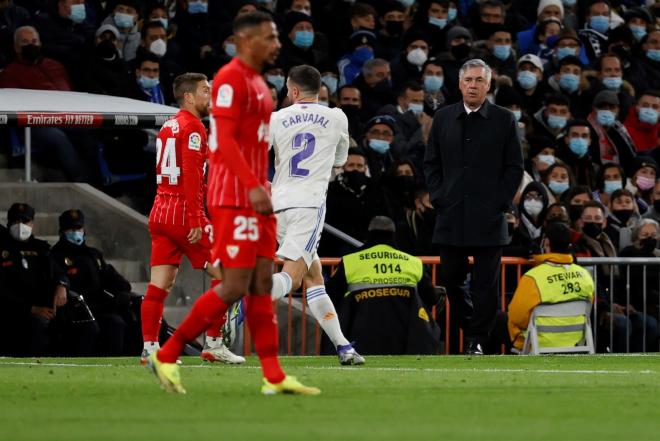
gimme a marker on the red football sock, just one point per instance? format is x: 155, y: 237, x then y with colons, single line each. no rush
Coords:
x: 152, y: 312
x: 205, y: 310
x: 216, y: 325
x: 263, y: 327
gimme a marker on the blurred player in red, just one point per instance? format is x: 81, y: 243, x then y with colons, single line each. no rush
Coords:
x: 240, y: 208
x: 178, y: 222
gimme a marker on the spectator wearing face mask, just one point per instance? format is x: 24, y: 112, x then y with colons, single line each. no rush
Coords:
x: 194, y: 36
x: 610, y: 178
x: 594, y: 241
x: 574, y: 199
x: 105, y: 290
x: 527, y: 43
x: 613, y: 142
x: 529, y: 83
x: 540, y: 156
x: 623, y: 217
x: 12, y: 17
x: 644, y: 71
x: 34, y: 295
x: 642, y: 121
x: 500, y: 53
x: 610, y: 77
x: 552, y: 118
x: 390, y: 37
x: 573, y: 150
x: 408, y: 67
x: 547, y: 31
x: 643, y: 172
x: 146, y: 85
x: 532, y: 208
x: 507, y: 96
x: 568, y: 82
x: 566, y: 44
x: 433, y: 19
x: 433, y: 82
x: 349, y: 100
x: 654, y: 210
x: 377, y: 144
x: 353, y: 200
x: 459, y: 50
x: 596, y: 28
x: 106, y: 72
x: 298, y: 42
x: 362, y: 44
x: 375, y: 85
x: 558, y: 179
x: 125, y: 17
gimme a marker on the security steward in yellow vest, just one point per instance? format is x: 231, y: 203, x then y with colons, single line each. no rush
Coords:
x: 556, y: 279
x: 385, y: 297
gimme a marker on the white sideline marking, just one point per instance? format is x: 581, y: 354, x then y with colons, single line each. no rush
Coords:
x: 366, y: 369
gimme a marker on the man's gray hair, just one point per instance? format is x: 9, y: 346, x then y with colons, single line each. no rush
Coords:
x: 24, y: 28
x: 382, y: 223
x: 368, y: 67
x: 640, y: 225
x: 478, y: 63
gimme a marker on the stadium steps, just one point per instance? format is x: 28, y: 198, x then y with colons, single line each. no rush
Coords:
x: 132, y: 270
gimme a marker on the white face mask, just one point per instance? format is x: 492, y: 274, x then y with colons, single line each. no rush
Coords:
x: 20, y: 232
x: 533, y: 207
x: 417, y: 57
x: 158, y: 47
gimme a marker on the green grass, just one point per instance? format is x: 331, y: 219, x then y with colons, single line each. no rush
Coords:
x: 391, y: 398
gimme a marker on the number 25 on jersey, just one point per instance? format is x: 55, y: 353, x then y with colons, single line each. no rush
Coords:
x: 166, y: 162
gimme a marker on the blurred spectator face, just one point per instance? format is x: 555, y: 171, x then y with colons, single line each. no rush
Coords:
x: 550, y: 11
x: 623, y: 202
x: 499, y: 44
x: 275, y: 76
x: 611, y: 73
x: 66, y: 9
x: 638, y: 27
x: 580, y: 199
x: 652, y: 42
x: 607, y: 107
x: 392, y: 22
x: 557, y: 112
x: 612, y: 179
x: 648, y: 109
x: 544, y: 159
x: 438, y: 11
x: 229, y: 46
x: 417, y: 52
x: 381, y: 132
x: 411, y: 97
x: 404, y: 170
x: 107, y: 45
x: 27, y: 44
x: 125, y: 17
x: 148, y: 69
x: 529, y: 67
x: 567, y: 46
x: 330, y: 80
x: 648, y: 231
x: 273, y: 95
x: 350, y: 96
x: 492, y: 14
x: 302, y: 35
x: 246, y: 9
x: 591, y: 215
x: 474, y: 86
x: 158, y: 14
x: 355, y: 163
x: 644, y: 174
x: 324, y: 95
x: 558, y: 180
x: 151, y: 40
x: 363, y: 22
x: 378, y: 74
x: 598, y: 17
x: 578, y: 140
x: 433, y: 78
x: 551, y: 29
x: 557, y: 213
x: 200, y: 7
x: 303, y: 6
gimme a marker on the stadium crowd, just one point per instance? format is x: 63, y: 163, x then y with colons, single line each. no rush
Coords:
x: 582, y: 78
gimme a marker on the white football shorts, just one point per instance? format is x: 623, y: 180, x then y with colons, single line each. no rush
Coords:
x: 299, y: 233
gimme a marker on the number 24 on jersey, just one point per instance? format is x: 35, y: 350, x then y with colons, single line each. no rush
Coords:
x: 166, y: 162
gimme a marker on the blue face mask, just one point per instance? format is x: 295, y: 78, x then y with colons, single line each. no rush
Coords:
x: 330, y: 82
x: 605, y: 118
x: 527, y: 79
x: 502, y: 51
x: 163, y: 21
x: 638, y: 32
x: 124, y: 21
x: 230, y: 49
x: 433, y: 83
x: 362, y: 55
x: 439, y: 22
x: 148, y: 83
x: 379, y: 146
x: 277, y: 81
x: 579, y: 146
x: 198, y: 7
x: 76, y: 237
x: 452, y: 13
x: 569, y: 82
x: 653, y: 54
x: 416, y: 108
x: 303, y: 39
x: 612, y: 83
x: 78, y: 13
x: 563, y: 52
x: 558, y: 187
x: 517, y: 114
x: 556, y: 122
x: 407, y: 3
x: 648, y: 115
x: 599, y: 23
x: 569, y: 2
x: 612, y: 186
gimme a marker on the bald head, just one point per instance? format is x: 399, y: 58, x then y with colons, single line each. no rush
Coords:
x: 382, y: 223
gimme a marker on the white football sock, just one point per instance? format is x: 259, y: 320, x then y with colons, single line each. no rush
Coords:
x: 151, y: 346
x: 324, y: 312
x: 212, y: 342
x: 282, y: 284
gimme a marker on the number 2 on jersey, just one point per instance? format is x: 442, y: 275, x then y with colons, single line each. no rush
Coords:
x: 166, y: 161
x: 306, y: 142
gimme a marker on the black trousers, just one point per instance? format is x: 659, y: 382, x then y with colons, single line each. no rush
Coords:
x: 473, y: 304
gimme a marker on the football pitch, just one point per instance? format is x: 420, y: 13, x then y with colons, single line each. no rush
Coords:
x: 390, y: 398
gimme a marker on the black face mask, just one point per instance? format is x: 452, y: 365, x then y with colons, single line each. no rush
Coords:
x: 656, y: 206
x: 622, y: 216
x: 351, y: 110
x: 461, y: 51
x: 394, y: 27
x: 574, y: 212
x: 648, y: 245
x: 592, y: 229
x: 485, y: 30
x: 106, y: 49
x: 384, y: 86
x: 354, y: 179
x: 404, y: 183
x: 30, y: 53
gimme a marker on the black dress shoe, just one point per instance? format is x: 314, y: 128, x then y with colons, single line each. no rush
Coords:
x: 472, y: 347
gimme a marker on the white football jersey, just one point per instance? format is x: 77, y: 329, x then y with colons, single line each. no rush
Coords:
x: 309, y: 140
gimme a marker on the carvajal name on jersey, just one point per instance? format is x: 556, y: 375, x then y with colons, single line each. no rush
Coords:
x: 306, y: 118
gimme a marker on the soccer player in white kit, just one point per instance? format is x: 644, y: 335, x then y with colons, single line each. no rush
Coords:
x: 309, y: 139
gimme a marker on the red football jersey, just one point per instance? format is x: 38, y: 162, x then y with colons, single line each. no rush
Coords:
x: 181, y: 151
x: 241, y: 108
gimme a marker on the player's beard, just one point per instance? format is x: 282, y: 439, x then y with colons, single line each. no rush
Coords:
x: 203, y: 111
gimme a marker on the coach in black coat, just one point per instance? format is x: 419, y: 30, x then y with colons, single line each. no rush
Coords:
x: 473, y: 167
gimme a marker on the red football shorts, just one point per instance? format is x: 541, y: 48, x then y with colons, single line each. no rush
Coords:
x: 169, y: 244
x: 241, y: 235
